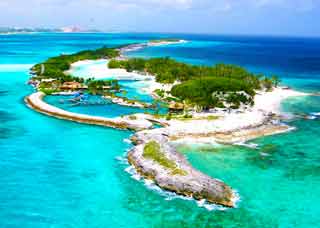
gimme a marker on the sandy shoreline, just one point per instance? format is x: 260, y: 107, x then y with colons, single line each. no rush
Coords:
x: 188, y: 182
x: 266, y: 104
x: 228, y: 126
x: 102, y: 71
x: 99, y: 69
x: 264, y: 101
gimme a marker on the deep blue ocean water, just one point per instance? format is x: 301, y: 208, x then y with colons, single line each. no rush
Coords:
x: 56, y: 173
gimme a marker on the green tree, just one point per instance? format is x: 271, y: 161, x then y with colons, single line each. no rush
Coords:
x: 275, y: 80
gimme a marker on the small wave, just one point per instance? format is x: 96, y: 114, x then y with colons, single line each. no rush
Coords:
x: 264, y: 154
x: 311, y: 117
x: 15, y: 67
x: 291, y: 129
x: 314, y: 115
x: 171, y: 195
x: 133, y: 173
x: 122, y: 160
x: 248, y: 145
x: 128, y: 141
x: 288, y: 116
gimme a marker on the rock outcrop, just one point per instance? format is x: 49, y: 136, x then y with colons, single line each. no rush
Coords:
x: 187, y: 182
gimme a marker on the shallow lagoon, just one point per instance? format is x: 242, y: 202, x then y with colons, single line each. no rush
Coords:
x: 104, y: 109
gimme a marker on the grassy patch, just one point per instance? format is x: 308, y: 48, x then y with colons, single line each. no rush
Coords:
x: 152, y: 151
x: 210, y: 118
x: 159, y: 92
x: 190, y: 117
x: 49, y: 91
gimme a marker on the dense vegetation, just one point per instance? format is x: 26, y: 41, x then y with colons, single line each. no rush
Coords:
x: 214, y: 92
x: 205, y: 86
x: 168, y: 70
x: 220, y: 85
x: 54, y: 67
x: 102, y: 86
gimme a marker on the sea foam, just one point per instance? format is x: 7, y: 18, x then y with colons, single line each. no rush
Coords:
x: 150, y: 184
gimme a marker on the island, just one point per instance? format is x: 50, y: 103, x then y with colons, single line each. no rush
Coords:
x: 151, y: 43
x: 166, y: 41
x: 212, y: 104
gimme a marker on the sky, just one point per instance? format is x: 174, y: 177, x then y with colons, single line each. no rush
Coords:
x: 250, y: 17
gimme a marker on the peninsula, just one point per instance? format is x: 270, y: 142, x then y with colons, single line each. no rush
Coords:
x: 220, y: 103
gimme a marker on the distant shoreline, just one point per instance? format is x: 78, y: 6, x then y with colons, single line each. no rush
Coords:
x: 154, y: 43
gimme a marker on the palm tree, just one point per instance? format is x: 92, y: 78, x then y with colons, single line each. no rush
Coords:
x: 275, y: 80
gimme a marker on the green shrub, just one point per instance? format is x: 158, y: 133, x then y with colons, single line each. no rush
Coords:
x: 159, y: 92
x: 153, y: 151
x: 212, y: 117
x: 168, y: 117
x: 48, y: 91
x: 132, y: 117
x: 187, y: 116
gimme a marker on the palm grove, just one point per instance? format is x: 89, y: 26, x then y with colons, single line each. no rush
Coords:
x: 54, y: 68
x: 207, y: 87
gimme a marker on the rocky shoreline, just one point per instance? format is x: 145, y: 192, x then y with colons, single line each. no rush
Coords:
x: 182, y: 179
x: 155, y: 158
x: 189, y: 182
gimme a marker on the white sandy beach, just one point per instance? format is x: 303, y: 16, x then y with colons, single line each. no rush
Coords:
x: 271, y: 101
x: 266, y: 103
x: 99, y: 70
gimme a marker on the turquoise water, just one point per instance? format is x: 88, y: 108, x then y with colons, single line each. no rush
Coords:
x: 56, y: 173
x: 105, y: 109
x: 133, y: 90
